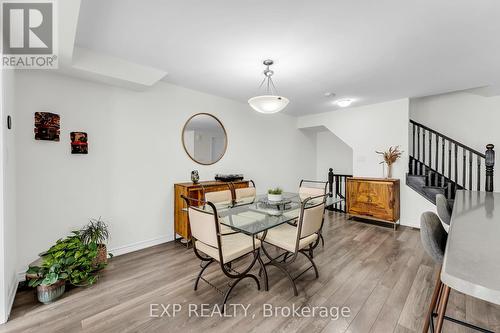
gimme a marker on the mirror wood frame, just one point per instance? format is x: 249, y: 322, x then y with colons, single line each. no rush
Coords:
x: 225, y: 136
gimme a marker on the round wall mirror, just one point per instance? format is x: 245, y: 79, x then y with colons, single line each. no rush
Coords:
x: 204, y: 138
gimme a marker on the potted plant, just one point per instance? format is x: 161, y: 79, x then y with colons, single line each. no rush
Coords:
x: 275, y: 194
x: 96, y: 232
x: 50, y: 281
x: 75, y: 257
x: 390, y: 157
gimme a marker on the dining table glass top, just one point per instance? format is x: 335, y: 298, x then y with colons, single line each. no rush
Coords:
x: 255, y: 215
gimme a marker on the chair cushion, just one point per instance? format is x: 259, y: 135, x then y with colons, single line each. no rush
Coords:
x: 233, y: 247
x: 285, y: 236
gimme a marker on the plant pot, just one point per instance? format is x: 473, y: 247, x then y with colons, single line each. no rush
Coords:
x: 48, y: 294
x: 102, y: 255
x: 274, y: 197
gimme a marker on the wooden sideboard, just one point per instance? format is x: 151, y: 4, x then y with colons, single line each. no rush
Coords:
x: 373, y: 198
x: 195, y: 191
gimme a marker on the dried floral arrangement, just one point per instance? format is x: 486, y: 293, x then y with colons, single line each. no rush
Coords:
x: 391, y: 155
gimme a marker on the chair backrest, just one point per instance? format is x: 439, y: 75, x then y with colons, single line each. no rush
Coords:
x: 307, y: 192
x: 433, y: 236
x: 245, y: 194
x: 219, y: 197
x: 203, y: 226
x: 311, y: 219
x: 443, y: 209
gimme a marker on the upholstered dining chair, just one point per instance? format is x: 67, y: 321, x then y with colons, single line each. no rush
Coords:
x: 311, y: 188
x: 211, y: 246
x: 444, y: 211
x: 308, y: 189
x: 295, y: 240
x: 433, y: 237
x: 223, y: 197
x: 220, y: 198
x: 245, y: 195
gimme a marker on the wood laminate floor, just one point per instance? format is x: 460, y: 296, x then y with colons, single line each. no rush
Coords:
x: 383, y: 277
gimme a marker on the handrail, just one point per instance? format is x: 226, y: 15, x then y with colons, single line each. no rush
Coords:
x: 449, y: 139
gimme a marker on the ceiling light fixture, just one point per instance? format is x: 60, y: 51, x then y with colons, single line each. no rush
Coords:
x: 343, y: 103
x: 271, y: 102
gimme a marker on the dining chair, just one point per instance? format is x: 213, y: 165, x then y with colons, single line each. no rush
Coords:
x: 313, y: 188
x: 433, y: 237
x: 245, y: 195
x: 220, y: 198
x: 444, y: 210
x: 210, y: 246
x: 295, y: 240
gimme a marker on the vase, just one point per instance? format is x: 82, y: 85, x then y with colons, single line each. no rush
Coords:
x: 195, y: 177
x: 48, y: 294
x: 275, y: 197
x: 101, y: 259
x: 389, y: 171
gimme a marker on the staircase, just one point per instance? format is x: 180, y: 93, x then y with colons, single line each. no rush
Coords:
x: 440, y: 165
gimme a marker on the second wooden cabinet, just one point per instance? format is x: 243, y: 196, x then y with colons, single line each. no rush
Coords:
x: 373, y: 198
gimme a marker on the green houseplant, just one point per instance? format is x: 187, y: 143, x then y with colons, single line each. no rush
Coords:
x: 49, y: 281
x: 275, y: 194
x: 96, y: 232
x: 75, y: 257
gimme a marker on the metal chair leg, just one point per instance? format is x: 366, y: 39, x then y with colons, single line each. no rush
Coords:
x: 263, y: 269
x: 312, y: 263
x: 290, y: 278
x: 226, y: 294
x: 201, y: 272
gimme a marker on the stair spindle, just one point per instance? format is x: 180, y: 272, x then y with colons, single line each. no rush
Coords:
x: 437, y: 153
x: 478, y: 173
x: 413, y: 146
x: 423, y: 147
x: 442, y: 156
x: 418, y: 143
x: 464, y: 167
x: 456, y: 163
x: 430, y: 150
x: 470, y: 170
x: 490, y: 164
x: 449, y: 160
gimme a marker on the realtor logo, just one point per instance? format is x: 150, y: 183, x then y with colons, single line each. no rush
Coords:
x: 28, y: 34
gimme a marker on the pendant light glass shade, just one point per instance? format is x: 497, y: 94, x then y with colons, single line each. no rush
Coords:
x: 268, y: 103
x: 271, y: 102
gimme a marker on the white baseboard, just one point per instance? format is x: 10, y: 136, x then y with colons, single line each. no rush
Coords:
x: 120, y: 250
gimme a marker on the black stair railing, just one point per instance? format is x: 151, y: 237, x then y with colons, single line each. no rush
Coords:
x: 447, y: 163
x: 337, y: 186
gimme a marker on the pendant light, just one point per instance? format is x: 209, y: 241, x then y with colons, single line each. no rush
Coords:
x: 271, y: 102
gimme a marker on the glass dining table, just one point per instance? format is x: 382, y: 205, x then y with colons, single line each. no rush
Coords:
x: 255, y: 216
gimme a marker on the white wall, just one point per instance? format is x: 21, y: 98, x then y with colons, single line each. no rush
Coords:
x: 8, y: 280
x: 468, y: 118
x: 332, y: 152
x: 370, y: 128
x: 135, y: 157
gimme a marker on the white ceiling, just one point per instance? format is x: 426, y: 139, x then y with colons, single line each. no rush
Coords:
x: 369, y: 50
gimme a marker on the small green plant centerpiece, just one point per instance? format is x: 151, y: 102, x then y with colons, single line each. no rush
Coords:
x: 96, y: 232
x: 275, y: 194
